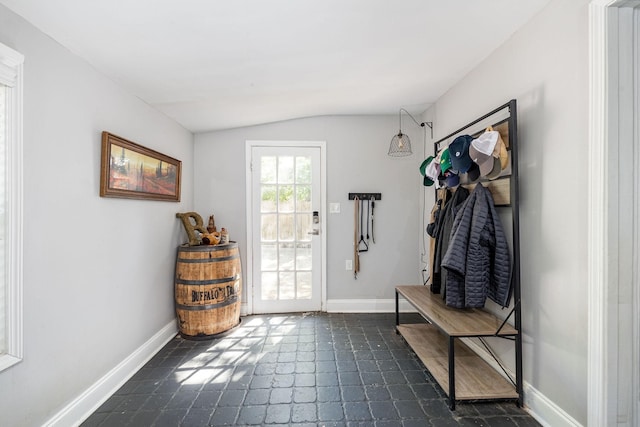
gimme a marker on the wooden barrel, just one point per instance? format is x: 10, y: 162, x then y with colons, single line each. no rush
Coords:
x: 207, y: 290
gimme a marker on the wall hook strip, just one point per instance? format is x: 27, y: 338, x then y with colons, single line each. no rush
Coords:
x: 365, y: 196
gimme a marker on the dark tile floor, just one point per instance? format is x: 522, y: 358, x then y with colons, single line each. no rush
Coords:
x: 313, y: 369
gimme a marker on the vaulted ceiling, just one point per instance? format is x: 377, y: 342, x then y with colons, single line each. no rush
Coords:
x: 213, y: 64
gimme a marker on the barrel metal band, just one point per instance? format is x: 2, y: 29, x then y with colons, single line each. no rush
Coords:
x: 231, y: 300
x: 207, y: 282
x: 203, y: 260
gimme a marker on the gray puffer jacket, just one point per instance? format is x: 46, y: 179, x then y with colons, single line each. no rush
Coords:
x: 477, y: 260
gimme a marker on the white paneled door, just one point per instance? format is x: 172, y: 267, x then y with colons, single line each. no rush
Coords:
x: 286, y: 228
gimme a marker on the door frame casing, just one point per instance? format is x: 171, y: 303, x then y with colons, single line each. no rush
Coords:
x: 613, y: 210
x: 322, y: 145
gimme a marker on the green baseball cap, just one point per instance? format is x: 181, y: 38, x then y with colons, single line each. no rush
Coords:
x: 445, y: 161
x: 426, y: 181
x: 423, y: 166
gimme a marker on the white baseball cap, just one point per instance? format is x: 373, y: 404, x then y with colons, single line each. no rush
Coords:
x: 486, y: 142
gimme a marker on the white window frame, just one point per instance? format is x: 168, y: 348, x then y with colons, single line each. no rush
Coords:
x: 11, y: 64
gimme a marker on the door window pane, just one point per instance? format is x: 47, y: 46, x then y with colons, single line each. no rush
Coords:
x: 286, y: 223
x: 269, y: 286
x: 287, y: 256
x: 285, y: 198
x: 303, y: 256
x: 303, y: 170
x: 268, y: 201
x: 268, y: 171
x: 269, y: 227
x: 303, y: 285
x: 287, y: 285
x: 303, y: 198
x: 285, y: 170
x: 269, y: 256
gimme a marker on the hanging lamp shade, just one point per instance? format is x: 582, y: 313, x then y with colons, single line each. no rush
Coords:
x: 400, y: 145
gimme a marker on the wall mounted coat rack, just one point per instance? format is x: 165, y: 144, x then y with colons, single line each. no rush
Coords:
x: 365, y: 196
x: 445, y: 327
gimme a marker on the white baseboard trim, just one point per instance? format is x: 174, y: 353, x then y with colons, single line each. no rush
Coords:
x: 545, y: 411
x: 86, y: 403
x: 536, y: 404
x: 367, y: 306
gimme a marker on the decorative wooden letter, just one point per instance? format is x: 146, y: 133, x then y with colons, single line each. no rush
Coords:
x: 190, y: 228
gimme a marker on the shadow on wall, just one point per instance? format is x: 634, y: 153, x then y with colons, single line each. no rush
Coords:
x: 536, y: 259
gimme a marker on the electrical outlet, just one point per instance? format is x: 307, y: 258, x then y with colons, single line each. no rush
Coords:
x: 348, y: 265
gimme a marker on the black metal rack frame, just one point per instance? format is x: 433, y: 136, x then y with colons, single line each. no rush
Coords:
x: 514, y: 205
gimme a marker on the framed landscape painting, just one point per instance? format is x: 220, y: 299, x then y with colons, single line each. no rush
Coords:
x: 131, y: 171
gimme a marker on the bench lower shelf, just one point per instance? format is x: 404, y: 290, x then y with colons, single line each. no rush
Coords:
x: 475, y: 379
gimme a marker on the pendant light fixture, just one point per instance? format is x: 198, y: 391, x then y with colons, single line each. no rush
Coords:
x: 401, y: 144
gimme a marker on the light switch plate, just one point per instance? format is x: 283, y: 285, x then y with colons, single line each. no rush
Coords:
x: 334, y: 207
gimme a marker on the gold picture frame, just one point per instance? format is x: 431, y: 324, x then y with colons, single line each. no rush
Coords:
x: 131, y: 171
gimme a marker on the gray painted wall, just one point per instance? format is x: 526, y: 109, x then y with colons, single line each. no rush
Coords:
x: 98, y: 273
